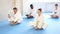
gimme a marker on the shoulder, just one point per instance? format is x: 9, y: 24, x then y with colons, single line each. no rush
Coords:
x: 18, y: 11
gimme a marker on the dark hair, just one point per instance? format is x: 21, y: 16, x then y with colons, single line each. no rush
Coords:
x: 56, y: 4
x: 15, y: 8
x: 40, y: 10
x: 31, y: 6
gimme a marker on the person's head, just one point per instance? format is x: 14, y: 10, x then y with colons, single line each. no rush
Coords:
x: 39, y: 11
x: 15, y: 9
x: 31, y: 6
x: 56, y: 5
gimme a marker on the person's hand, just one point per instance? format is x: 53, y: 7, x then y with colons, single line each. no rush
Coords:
x: 9, y: 16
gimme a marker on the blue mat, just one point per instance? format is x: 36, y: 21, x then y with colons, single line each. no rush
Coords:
x: 24, y: 28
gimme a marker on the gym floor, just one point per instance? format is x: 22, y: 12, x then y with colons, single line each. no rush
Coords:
x: 24, y: 28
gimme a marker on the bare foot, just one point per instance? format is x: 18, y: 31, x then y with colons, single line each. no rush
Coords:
x: 11, y: 22
x: 36, y: 28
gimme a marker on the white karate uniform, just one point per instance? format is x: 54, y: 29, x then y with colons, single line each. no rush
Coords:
x: 57, y: 12
x: 39, y: 22
x: 15, y: 17
x: 32, y: 11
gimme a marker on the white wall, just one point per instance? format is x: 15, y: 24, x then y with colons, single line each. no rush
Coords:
x: 46, y: 6
x: 5, y: 6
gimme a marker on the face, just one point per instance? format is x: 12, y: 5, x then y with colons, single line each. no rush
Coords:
x: 15, y: 10
x: 31, y: 7
x: 56, y: 7
x: 39, y: 12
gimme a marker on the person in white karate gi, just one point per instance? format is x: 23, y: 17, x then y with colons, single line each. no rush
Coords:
x: 55, y: 13
x: 38, y: 21
x: 31, y: 12
x: 14, y: 17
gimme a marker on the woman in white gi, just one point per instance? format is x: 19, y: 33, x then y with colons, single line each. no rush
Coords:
x: 55, y: 13
x: 14, y: 17
x: 39, y: 21
x: 31, y: 12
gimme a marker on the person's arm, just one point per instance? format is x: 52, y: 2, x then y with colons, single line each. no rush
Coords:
x: 34, y: 13
x: 29, y: 11
x: 36, y: 19
x: 17, y: 17
x: 9, y: 16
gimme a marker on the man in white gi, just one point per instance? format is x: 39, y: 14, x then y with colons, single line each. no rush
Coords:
x: 55, y: 13
x: 14, y: 17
